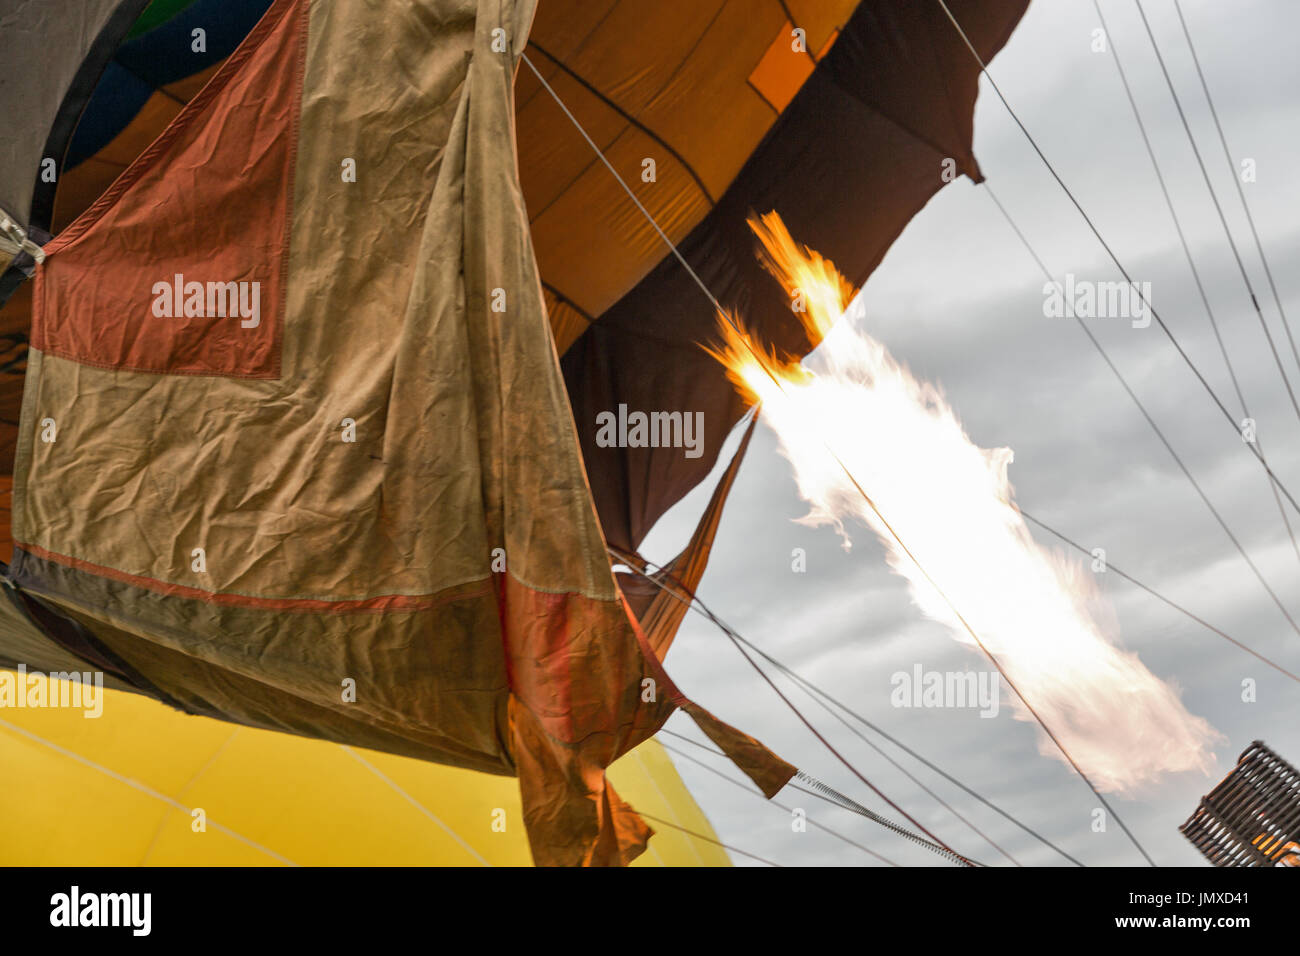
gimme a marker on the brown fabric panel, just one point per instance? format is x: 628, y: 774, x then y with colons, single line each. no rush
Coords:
x: 434, y: 676
x: 579, y: 701
x: 768, y: 771
x: 210, y: 690
x: 573, y: 815
x: 661, y: 611
x: 240, y: 130
x: 23, y: 643
x: 563, y: 26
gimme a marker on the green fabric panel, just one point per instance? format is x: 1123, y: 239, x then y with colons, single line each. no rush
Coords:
x: 158, y: 12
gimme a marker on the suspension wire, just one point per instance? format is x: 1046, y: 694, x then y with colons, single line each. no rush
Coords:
x: 1156, y: 594
x: 1218, y: 208
x: 1115, y: 259
x: 1241, y: 194
x: 762, y: 362
x: 912, y: 777
x: 684, y: 590
x: 1147, y: 415
x: 706, y: 748
x: 775, y: 803
x: 842, y: 759
x: 853, y: 806
x: 1191, y: 262
x: 834, y: 797
x: 696, y: 603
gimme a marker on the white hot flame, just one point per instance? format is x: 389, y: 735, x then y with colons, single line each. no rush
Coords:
x: 949, y: 502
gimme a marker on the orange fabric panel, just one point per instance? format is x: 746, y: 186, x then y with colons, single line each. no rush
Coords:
x: 577, y: 674
x: 782, y: 71
x: 178, y: 274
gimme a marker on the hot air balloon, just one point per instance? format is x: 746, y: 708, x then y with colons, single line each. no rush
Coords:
x: 314, y: 311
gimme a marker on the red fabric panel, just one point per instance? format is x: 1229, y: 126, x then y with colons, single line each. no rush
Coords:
x: 208, y: 201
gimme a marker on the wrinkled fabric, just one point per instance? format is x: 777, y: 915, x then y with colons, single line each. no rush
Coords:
x: 365, y: 517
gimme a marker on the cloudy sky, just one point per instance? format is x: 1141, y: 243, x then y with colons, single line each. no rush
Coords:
x: 960, y: 302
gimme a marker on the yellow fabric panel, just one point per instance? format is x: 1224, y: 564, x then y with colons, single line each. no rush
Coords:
x: 279, y: 798
x: 592, y: 243
x: 707, y: 110
x: 549, y: 162
x: 682, y: 71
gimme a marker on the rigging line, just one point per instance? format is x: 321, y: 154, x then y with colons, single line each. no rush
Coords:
x: 775, y: 803
x: 831, y: 747
x: 1191, y: 262
x: 1218, y: 208
x: 1223, y: 140
x: 678, y: 583
x: 1147, y: 415
x: 847, y: 803
x: 834, y: 797
x: 912, y: 777
x: 698, y: 605
x: 762, y: 363
x: 708, y: 839
x: 1115, y: 259
x: 1156, y: 594
x: 719, y: 753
